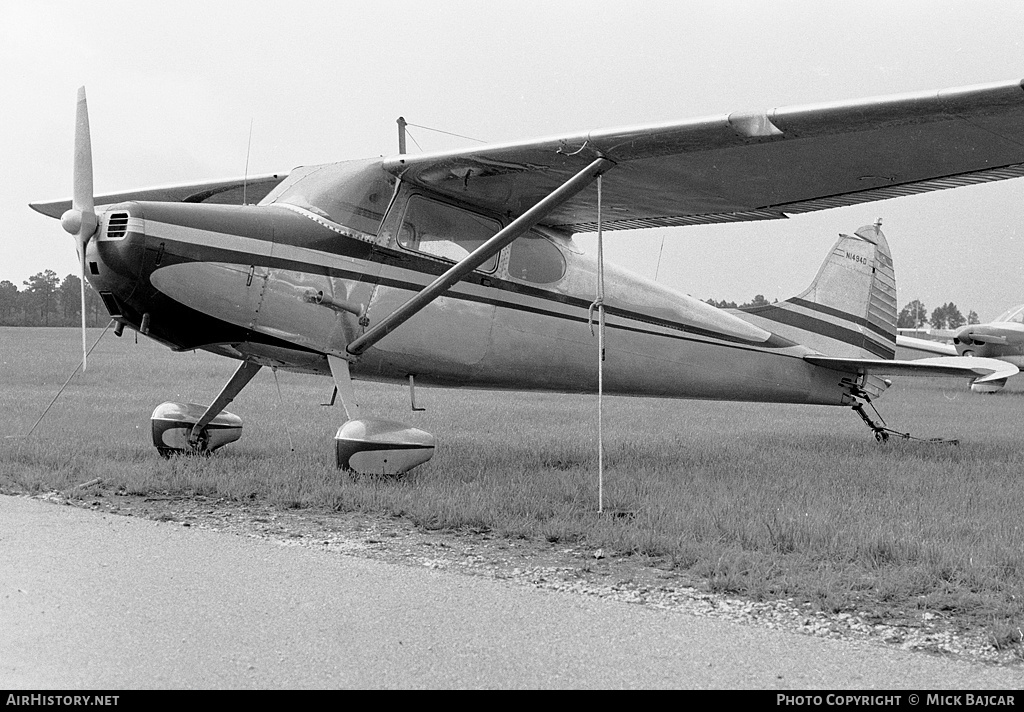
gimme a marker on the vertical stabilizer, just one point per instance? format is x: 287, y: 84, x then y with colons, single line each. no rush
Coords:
x: 850, y: 308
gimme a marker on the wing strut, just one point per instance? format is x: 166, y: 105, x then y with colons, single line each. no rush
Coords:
x: 343, y: 386
x: 480, y: 255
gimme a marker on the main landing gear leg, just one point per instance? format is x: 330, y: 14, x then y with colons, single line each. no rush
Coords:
x: 343, y: 382
x: 242, y: 375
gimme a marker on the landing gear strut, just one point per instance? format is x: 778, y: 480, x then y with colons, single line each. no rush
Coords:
x: 882, y: 432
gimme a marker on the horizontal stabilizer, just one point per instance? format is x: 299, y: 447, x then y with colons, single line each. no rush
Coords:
x: 988, y: 369
x: 999, y: 376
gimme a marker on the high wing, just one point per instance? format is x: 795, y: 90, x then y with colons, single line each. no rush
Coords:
x: 740, y: 166
x: 747, y: 165
x: 984, y: 370
x: 230, y: 191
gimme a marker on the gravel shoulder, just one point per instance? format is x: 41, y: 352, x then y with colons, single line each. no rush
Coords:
x: 539, y: 564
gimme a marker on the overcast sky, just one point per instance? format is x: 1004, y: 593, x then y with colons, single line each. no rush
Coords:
x: 174, y: 86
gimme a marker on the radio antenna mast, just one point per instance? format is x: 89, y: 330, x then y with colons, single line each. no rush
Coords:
x: 245, y: 176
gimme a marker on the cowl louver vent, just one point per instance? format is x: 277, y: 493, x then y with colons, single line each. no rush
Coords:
x: 117, y: 226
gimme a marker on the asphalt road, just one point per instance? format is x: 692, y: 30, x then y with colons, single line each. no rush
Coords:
x: 101, y: 601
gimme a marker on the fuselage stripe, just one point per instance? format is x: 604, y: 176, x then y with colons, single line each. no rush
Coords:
x: 209, y: 246
x: 830, y: 330
x: 233, y: 250
x: 833, y: 312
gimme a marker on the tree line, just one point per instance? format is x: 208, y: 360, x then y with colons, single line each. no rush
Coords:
x: 757, y: 301
x: 948, y: 316
x: 46, y: 300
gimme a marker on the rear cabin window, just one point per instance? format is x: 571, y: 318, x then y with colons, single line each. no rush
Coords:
x: 445, y: 231
x: 533, y: 258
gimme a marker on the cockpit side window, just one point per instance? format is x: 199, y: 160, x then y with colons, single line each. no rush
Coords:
x: 445, y: 231
x: 533, y: 258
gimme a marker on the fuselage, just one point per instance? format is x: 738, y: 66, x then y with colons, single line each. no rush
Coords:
x: 338, y: 248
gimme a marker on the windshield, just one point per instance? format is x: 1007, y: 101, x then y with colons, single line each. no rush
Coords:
x: 1016, y: 314
x: 352, y: 193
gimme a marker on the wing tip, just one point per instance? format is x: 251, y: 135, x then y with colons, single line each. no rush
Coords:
x: 50, y: 208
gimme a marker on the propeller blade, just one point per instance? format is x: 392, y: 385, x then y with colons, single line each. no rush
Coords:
x: 81, y: 220
x: 82, y: 196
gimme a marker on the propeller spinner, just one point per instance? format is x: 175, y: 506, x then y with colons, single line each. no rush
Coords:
x: 81, y: 220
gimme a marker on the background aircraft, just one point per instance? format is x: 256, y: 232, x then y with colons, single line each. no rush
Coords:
x: 459, y: 268
x: 1002, y: 338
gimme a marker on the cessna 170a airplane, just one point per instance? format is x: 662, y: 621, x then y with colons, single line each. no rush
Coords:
x: 460, y: 269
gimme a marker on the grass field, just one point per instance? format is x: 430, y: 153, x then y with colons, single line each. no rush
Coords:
x: 763, y: 501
